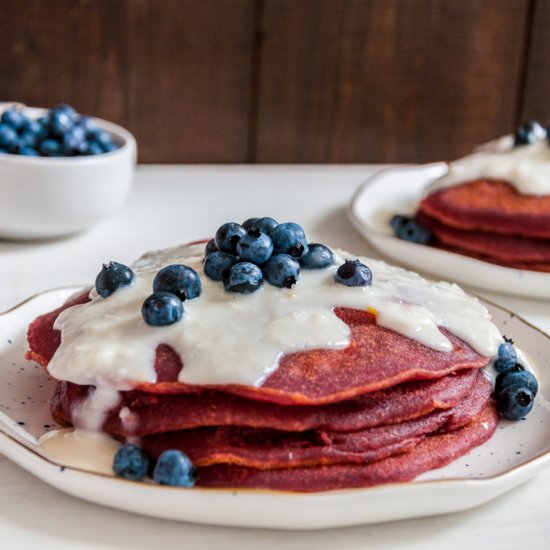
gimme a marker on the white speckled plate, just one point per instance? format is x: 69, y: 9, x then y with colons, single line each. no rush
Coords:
x: 398, y: 191
x: 516, y: 452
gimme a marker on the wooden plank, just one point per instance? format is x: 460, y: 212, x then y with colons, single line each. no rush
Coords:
x: 387, y: 80
x: 176, y: 73
x: 535, y: 104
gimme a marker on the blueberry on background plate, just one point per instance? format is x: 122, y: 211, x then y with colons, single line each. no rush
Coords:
x: 130, y: 462
x: 112, y: 277
x: 408, y: 229
x: 227, y: 237
x: 515, y: 402
x: 179, y: 279
x: 9, y: 140
x: 282, y: 271
x: 517, y: 376
x: 50, y: 148
x: 318, y: 256
x: 353, y: 273
x: 217, y: 265
x: 210, y: 247
x: 162, y: 309
x: 174, y: 468
x: 14, y: 118
x: 243, y: 277
x: 507, y: 356
x: 255, y: 247
x: 529, y: 133
x: 289, y: 238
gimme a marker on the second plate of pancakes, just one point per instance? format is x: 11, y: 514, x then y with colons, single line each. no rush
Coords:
x: 398, y: 191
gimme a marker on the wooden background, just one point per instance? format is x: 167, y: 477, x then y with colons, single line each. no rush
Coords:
x: 279, y: 81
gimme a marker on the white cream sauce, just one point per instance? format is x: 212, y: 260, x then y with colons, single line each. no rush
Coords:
x: 227, y: 338
x: 526, y: 168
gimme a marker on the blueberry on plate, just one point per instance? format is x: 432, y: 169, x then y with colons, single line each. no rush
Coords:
x: 9, y: 139
x: 515, y: 402
x: 529, y: 133
x: 112, y: 277
x: 250, y: 223
x: 162, y: 309
x: 179, y: 279
x: 517, y: 376
x: 289, y: 238
x: 318, y: 256
x: 29, y: 152
x: 74, y: 141
x: 282, y: 271
x: 506, y: 357
x: 408, y: 229
x: 227, y: 237
x: 60, y: 122
x: 210, y: 247
x: 243, y: 277
x: 255, y: 247
x: 50, y: 148
x: 130, y: 462
x: 353, y: 273
x: 217, y: 265
x: 174, y: 468
x: 265, y: 225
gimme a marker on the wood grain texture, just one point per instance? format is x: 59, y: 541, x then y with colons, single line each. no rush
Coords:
x: 535, y: 105
x: 387, y: 80
x: 176, y: 73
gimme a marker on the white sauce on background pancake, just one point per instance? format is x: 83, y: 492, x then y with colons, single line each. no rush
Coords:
x: 526, y: 167
x: 231, y: 338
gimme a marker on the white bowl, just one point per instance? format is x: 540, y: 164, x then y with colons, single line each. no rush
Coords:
x: 44, y: 197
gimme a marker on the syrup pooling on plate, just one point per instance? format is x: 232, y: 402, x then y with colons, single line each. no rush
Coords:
x: 525, y: 167
x: 226, y: 338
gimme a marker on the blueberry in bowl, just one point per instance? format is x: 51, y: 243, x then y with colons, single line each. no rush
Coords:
x: 60, y: 171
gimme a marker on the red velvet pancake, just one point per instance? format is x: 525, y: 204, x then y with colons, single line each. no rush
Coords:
x: 491, y: 206
x: 376, y: 358
x: 267, y: 449
x: 434, y: 452
x: 155, y: 413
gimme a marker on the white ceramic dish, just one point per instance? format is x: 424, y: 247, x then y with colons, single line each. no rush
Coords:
x: 50, y: 197
x: 398, y: 191
x: 516, y: 452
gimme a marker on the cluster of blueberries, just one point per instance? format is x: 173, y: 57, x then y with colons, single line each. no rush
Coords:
x: 243, y: 255
x: 172, y: 467
x: 172, y: 285
x: 408, y: 229
x: 515, y: 387
x: 61, y: 132
x: 529, y: 133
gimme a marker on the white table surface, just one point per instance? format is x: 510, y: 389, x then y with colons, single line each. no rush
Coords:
x: 175, y: 204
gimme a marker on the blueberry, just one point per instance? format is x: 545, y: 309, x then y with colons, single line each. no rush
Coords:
x: 87, y: 123
x: 74, y: 141
x: 289, y: 238
x: 517, y: 376
x: 8, y: 138
x: 228, y: 235
x: 515, y: 402
x: 109, y: 147
x: 210, y: 247
x: 410, y: 230
x: 397, y: 221
x: 14, y: 118
x: 243, y: 277
x: 50, y: 148
x: 250, y: 223
x: 174, y: 468
x: 218, y: 264
x: 528, y: 133
x: 92, y: 148
x: 162, y: 309
x: 282, y: 270
x: 28, y: 139
x: 60, y: 122
x: 354, y: 273
x: 318, y: 256
x: 66, y: 109
x: 2, y: 151
x: 255, y: 247
x: 36, y: 128
x: 265, y: 225
x: 100, y: 136
x: 28, y: 152
x: 181, y: 280
x: 507, y: 357
x: 130, y: 462
x: 112, y: 277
